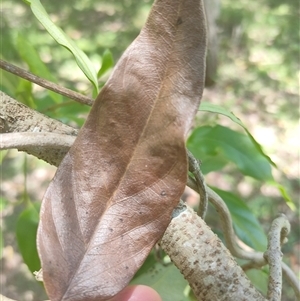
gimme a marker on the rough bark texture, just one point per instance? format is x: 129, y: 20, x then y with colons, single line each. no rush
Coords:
x: 16, y: 117
x: 205, y: 262
x: 276, y: 236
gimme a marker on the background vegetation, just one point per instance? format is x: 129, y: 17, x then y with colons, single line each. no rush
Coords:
x: 258, y: 66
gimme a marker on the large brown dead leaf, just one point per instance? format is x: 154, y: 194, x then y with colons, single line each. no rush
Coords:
x: 113, y: 194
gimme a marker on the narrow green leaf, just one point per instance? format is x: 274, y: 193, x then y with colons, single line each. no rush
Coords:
x: 26, y: 230
x: 284, y: 194
x: 107, y: 63
x: 245, y: 223
x: 234, y: 146
x: 166, y: 280
x: 61, y: 38
x: 35, y: 64
x: 209, y: 107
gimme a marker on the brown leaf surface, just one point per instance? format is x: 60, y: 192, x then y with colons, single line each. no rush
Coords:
x: 113, y: 194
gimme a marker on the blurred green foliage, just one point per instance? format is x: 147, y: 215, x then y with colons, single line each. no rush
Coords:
x: 262, y: 39
x: 258, y: 55
x: 26, y: 231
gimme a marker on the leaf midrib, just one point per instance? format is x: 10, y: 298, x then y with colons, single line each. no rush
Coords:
x: 131, y: 157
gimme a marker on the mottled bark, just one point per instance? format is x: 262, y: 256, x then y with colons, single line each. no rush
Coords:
x: 15, y: 117
x: 205, y: 262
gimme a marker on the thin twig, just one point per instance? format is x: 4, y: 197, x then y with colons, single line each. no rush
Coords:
x: 3, y: 298
x: 291, y: 278
x: 32, y: 139
x: 229, y: 234
x: 45, y: 83
x: 205, y: 262
x: 194, y: 168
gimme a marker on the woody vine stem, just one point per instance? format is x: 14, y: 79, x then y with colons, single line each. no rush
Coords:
x: 189, y: 242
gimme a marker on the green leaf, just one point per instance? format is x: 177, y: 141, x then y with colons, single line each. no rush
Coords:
x: 36, y: 65
x: 236, y: 147
x: 23, y: 93
x: 209, y: 107
x: 149, y: 263
x: 44, y: 102
x: 166, y: 280
x: 244, y: 221
x: 284, y: 194
x: 213, y: 162
x: 61, y: 38
x: 67, y: 111
x: 107, y: 63
x: 26, y: 230
x: 8, y: 82
x: 259, y: 278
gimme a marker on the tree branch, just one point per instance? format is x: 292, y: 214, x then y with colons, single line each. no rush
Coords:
x: 229, y: 234
x: 45, y: 83
x: 200, y: 254
x: 18, y: 118
x: 204, y: 261
x: 3, y: 298
x: 29, y: 140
